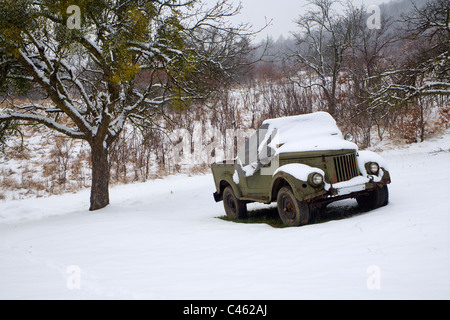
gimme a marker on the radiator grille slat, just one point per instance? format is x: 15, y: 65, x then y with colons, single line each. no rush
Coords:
x: 345, y: 167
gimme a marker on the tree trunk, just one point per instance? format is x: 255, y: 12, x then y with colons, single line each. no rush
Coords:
x: 100, y: 178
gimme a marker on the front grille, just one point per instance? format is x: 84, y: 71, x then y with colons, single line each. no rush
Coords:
x: 345, y: 167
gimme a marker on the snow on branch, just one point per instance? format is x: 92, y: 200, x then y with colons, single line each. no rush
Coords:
x: 50, y: 123
x: 397, y: 94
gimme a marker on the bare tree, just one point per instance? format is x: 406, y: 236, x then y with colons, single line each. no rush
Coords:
x: 424, y: 68
x: 323, y: 42
x: 368, y: 52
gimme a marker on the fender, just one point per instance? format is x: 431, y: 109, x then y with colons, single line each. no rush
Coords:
x: 302, y: 190
x: 227, y: 178
x: 293, y: 183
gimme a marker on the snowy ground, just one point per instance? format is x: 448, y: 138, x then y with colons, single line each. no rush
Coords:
x: 162, y: 240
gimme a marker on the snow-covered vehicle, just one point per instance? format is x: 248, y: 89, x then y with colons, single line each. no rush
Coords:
x: 303, y: 163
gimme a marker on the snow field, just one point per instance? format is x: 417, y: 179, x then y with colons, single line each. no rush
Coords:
x: 162, y: 240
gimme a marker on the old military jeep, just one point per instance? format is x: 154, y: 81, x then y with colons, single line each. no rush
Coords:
x: 303, y: 163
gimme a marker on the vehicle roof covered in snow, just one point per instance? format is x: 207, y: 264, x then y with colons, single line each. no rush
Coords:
x: 308, y: 132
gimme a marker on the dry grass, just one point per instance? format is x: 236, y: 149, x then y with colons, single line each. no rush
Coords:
x: 9, y: 183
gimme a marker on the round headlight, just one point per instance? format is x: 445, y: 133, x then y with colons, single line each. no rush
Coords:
x: 349, y: 136
x: 317, y: 179
x: 373, y: 167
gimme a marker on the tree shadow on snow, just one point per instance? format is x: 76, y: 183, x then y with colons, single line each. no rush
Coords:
x: 335, y: 211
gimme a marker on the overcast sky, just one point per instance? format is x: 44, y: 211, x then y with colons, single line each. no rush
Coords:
x: 283, y: 13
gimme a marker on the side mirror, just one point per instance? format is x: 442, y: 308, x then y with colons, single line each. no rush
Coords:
x: 349, y: 136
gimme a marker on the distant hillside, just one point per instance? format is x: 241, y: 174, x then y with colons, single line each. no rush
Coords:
x: 396, y: 8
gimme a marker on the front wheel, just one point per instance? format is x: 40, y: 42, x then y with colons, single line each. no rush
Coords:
x: 234, y: 208
x: 292, y: 212
x: 375, y: 199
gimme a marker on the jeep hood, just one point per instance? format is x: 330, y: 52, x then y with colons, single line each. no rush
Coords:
x: 309, y: 132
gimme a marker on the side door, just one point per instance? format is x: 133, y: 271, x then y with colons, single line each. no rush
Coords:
x: 257, y: 163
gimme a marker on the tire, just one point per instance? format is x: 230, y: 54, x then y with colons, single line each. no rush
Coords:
x: 234, y: 208
x: 292, y: 212
x: 375, y: 199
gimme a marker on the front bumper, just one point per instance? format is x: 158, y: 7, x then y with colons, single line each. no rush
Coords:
x: 344, y: 192
x: 356, y: 185
x: 350, y: 189
x: 359, y: 184
x: 353, y: 188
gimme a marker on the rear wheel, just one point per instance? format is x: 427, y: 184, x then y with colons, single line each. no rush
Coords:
x: 234, y: 208
x: 292, y: 212
x: 375, y: 199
